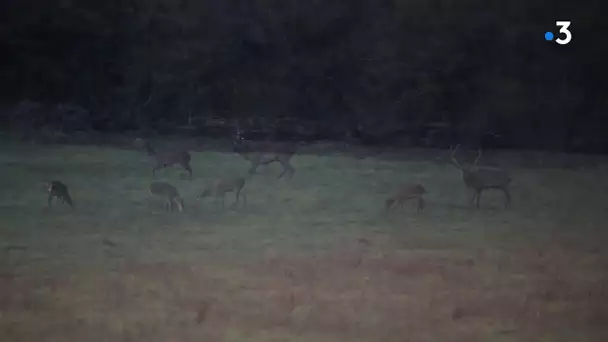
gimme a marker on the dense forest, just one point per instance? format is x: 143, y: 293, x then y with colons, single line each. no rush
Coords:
x: 440, y: 71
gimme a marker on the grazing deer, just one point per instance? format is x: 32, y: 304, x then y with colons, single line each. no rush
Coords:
x: 405, y: 193
x: 169, y: 193
x: 165, y: 159
x: 60, y: 191
x: 479, y: 178
x: 220, y: 187
x: 266, y: 152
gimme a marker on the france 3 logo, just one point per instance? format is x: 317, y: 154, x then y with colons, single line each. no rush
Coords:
x: 565, y: 34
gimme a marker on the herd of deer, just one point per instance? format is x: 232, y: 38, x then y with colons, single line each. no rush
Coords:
x: 476, y: 178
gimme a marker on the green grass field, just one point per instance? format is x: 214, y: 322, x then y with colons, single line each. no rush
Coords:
x: 315, y: 258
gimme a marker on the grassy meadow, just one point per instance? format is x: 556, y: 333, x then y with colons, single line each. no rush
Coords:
x: 314, y: 258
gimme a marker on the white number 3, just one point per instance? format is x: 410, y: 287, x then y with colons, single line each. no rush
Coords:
x: 564, y: 29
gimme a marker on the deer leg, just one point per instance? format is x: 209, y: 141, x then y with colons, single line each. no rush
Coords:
x: 420, y: 204
x: 287, y: 168
x: 255, y: 162
x: 244, y: 200
x: 282, y: 173
x: 254, y: 168
x: 177, y: 202
x: 186, y: 165
x: 50, y: 200
x: 473, y: 197
x: 394, y: 204
x: 478, y: 198
x: 507, y: 197
x: 271, y: 160
x: 180, y: 204
x: 237, y: 195
x: 290, y: 169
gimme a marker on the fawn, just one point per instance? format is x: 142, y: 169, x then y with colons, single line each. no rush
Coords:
x: 169, y: 193
x: 405, y: 193
x: 220, y: 187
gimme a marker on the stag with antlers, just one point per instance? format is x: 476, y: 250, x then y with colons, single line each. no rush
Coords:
x: 480, y: 178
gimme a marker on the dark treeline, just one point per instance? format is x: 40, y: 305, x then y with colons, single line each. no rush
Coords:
x: 364, y: 68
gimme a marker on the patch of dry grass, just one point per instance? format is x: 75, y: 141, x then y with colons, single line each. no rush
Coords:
x: 314, y: 258
x: 362, y: 292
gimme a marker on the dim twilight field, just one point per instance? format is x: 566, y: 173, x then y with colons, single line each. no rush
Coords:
x: 314, y: 258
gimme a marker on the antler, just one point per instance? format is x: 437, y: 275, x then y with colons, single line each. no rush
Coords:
x: 237, y: 134
x: 454, y: 158
x: 478, y: 156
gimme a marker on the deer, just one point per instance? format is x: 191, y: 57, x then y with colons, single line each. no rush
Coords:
x: 58, y: 190
x: 405, y: 193
x: 480, y: 178
x: 221, y: 186
x: 265, y: 152
x: 169, y: 193
x: 164, y: 159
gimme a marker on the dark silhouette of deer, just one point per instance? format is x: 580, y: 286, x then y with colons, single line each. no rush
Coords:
x: 169, y: 193
x: 164, y: 159
x: 220, y: 187
x: 405, y: 193
x: 480, y: 178
x: 265, y: 152
x: 58, y: 190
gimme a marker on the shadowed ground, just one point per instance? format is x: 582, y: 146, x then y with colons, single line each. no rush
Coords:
x: 311, y: 259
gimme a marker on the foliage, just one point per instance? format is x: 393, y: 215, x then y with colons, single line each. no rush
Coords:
x: 478, y: 65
